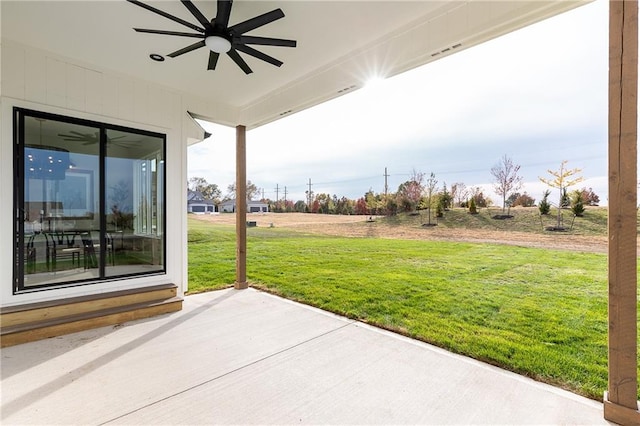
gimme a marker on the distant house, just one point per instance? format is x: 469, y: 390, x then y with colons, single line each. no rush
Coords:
x: 197, y: 203
x: 229, y: 206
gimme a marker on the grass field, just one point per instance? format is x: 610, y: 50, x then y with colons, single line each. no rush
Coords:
x: 537, y: 312
x: 592, y: 223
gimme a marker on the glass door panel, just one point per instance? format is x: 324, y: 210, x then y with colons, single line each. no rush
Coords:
x: 134, y: 175
x: 60, y: 200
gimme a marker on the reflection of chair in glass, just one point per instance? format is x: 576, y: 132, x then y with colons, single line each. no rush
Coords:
x: 30, y: 255
x: 62, y: 247
x: 90, y: 257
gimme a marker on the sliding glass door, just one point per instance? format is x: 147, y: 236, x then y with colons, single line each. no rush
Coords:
x: 89, y: 201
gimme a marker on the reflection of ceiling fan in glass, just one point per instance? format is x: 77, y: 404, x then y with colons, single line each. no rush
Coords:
x: 94, y: 138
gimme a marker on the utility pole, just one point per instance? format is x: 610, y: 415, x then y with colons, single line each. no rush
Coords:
x: 277, y: 192
x: 309, y: 194
x: 386, y: 187
x: 263, y: 193
x: 285, y: 196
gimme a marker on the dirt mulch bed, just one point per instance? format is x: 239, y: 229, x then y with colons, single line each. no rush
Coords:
x: 361, y: 226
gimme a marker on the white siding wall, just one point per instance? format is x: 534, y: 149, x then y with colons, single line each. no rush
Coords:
x: 37, y: 80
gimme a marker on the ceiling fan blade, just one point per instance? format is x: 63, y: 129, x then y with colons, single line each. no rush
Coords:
x: 172, y: 33
x: 197, y: 14
x: 266, y: 41
x: 257, y: 54
x: 84, y: 135
x: 186, y: 49
x: 213, y: 60
x: 166, y: 15
x: 223, y: 13
x: 258, y: 21
x: 233, y: 54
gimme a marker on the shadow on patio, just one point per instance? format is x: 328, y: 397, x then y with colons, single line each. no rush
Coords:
x: 246, y: 357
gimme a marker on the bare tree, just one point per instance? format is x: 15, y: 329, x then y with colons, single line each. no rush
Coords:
x: 252, y: 190
x: 459, y: 193
x: 506, y: 178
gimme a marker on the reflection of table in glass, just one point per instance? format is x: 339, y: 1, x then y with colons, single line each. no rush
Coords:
x: 62, y: 245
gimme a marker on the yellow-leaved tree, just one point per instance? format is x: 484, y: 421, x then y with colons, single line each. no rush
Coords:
x: 562, y: 179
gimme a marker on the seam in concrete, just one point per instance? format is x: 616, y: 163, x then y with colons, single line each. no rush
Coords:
x: 252, y: 363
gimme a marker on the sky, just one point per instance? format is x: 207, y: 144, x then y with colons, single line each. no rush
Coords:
x: 537, y: 95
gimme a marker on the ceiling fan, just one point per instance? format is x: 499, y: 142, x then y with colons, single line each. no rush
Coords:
x: 93, y: 138
x: 219, y: 37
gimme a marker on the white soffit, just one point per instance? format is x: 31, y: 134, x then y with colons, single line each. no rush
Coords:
x: 341, y: 44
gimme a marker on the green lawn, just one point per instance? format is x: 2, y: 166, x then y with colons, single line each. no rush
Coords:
x: 536, y: 312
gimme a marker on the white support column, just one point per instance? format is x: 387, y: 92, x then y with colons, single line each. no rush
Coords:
x: 620, y: 401
x: 241, y: 208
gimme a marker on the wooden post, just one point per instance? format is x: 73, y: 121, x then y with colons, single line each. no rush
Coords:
x: 620, y: 401
x: 241, y: 208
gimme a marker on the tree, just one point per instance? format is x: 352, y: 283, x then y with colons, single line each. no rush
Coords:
x: 512, y: 199
x: 459, y: 193
x: 430, y: 186
x: 506, y: 178
x: 446, y: 199
x: 391, y: 206
x: 589, y: 197
x: 544, y: 205
x: 524, y: 200
x: 472, y: 206
x: 208, y: 190
x: 440, y: 205
x: 410, y: 192
x: 361, y: 206
x: 565, y: 200
x: 374, y: 202
x: 252, y: 190
x: 577, y: 205
x: 562, y: 179
x: 475, y: 193
x: 344, y: 206
x: 325, y: 204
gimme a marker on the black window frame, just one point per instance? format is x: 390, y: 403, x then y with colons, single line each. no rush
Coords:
x: 19, y: 115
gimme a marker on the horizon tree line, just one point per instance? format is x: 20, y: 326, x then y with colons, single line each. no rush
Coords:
x: 420, y: 192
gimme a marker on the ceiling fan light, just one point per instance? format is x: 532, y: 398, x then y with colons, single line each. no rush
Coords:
x: 218, y: 44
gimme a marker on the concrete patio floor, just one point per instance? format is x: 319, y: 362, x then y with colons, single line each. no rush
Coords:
x: 246, y: 357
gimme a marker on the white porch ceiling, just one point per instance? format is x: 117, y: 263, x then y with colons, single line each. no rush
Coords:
x: 341, y: 44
